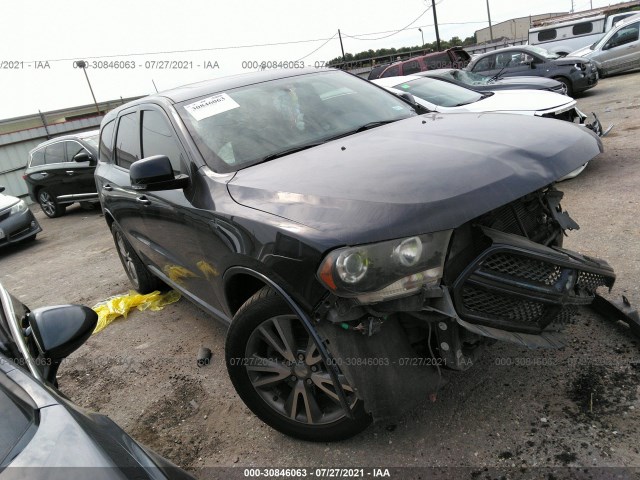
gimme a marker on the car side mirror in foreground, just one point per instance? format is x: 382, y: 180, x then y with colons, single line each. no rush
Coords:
x: 60, y: 330
x: 155, y: 173
x: 1, y: 189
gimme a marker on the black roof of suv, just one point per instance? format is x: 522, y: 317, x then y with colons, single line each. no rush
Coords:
x: 60, y: 172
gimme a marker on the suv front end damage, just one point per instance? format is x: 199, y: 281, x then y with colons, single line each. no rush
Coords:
x: 505, y: 276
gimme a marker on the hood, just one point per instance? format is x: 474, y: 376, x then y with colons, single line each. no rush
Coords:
x: 569, y: 60
x: 7, y: 200
x: 422, y: 174
x: 584, y: 52
x: 532, y: 82
x: 519, y: 101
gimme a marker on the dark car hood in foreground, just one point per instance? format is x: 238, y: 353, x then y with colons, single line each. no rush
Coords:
x: 422, y: 174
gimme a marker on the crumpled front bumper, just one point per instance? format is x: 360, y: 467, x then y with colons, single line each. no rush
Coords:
x: 595, y: 126
x: 518, y: 286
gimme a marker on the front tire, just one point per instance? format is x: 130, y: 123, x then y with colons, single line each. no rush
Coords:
x: 139, y: 275
x: 567, y: 84
x: 279, y: 374
x: 49, y: 205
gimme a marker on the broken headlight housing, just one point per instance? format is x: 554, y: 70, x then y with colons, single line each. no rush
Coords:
x: 386, y: 270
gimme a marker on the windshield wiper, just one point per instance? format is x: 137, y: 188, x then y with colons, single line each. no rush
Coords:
x: 288, y: 151
x: 497, y: 75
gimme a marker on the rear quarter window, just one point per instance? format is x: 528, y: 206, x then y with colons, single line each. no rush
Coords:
x: 37, y: 158
x: 106, y: 142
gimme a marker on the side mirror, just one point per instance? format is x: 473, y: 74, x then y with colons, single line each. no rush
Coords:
x: 155, y: 173
x: 83, y: 157
x: 60, y: 330
x: 1, y: 189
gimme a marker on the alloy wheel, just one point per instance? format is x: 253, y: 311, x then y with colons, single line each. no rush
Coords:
x: 47, y: 204
x: 287, y: 371
x: 127, y: 259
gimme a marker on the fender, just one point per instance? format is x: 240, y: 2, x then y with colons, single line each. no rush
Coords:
x: 306, y: 321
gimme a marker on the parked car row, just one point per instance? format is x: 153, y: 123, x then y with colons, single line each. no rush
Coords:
x: 616, y: 49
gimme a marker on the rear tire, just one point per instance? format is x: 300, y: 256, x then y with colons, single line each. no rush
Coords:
x: 279, y: 374
x: 49, y: 205
x: 139, y: 275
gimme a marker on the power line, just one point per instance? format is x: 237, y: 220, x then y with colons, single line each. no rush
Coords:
x: 314, y: 51
x: 395, y: 32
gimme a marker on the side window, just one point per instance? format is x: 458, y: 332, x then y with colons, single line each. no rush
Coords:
x: 127, y: 140
x: 55, y: 153
x: 625, y: 35
x: 546, y: 35
x: 106, y: 141
x: 158, y: 138
x: 582, y: 28
x: 483, y: 64
x: 37, y: 158
x: 503, y: 59
x: 391, y: 72
x: 410, y: 67
x: 438, y: 61
x: 73, y: 148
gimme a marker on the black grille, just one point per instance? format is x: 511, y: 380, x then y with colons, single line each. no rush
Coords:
x: 590, y: 281
x: 508, y: 308
x: 476, y: 300
x: 523, y: 267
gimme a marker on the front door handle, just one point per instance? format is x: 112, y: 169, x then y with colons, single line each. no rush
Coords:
x: 44, y: 174
x: 143, y: 200
x: 107, y: 187
x: 70, y: 172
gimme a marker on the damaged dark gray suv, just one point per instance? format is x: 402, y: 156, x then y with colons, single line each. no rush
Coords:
x: 358, y: 249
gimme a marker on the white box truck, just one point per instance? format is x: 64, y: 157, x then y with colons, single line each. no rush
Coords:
x: 567, y: 33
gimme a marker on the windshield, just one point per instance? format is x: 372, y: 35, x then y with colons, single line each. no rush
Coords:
x: 439, y: 93
x: 469, y: 78
x: 543, y: 53
x: 246, y: 125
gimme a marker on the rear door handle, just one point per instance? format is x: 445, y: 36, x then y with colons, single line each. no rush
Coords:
x: 44, y: 174
x: 143, y: 200
x: 70, y: 172
x: 107, y: 187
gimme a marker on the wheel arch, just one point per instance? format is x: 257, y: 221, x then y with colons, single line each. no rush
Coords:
x: 304, y: 318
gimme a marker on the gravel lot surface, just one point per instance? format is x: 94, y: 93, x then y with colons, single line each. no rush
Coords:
x: 516, y: 409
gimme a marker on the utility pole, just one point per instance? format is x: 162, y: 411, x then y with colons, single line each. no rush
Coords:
x: 435, y: 22
x: 83, y: 65
x: 344, y: 60
x: 490, y: 27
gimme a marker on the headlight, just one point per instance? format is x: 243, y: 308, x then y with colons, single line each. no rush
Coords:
x: 386, y: 270
x: 21, y: 206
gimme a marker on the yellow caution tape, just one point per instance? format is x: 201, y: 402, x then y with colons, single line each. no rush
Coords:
x: 120, y: 305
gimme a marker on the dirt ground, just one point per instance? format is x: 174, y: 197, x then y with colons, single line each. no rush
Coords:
x: 516, y: 409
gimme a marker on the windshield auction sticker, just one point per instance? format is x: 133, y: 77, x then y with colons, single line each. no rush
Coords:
x: 211, y: 106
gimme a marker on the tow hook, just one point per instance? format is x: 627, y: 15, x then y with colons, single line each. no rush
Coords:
x: 618, y: 310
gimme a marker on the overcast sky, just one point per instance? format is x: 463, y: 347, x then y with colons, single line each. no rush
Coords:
x: 134, y: 30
